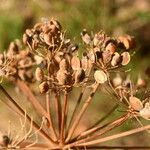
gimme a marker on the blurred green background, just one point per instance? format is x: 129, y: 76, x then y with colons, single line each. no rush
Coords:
x: 115, y: 17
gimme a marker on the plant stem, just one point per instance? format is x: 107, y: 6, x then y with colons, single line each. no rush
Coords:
x: 112, y: 137
x: 82, y: 111
x: 49, y: 116
x: 93, y: 129
x: 64, y: 116
x: 41, y: 132
x: 26, y: 90
x: 58, y: 109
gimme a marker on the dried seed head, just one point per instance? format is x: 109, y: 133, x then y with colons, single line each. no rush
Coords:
x: 125, y: 58
x: 79, y: 75
x: 44, y: 87
x: 100, y: 76
x: 117, y: 81
x: 145, y: 112
x: 115, y: 59
x: 39, y: 74
x: 75, y: 63
x: 61, y: 77
x: 127, y: 41
x: 135, y: 103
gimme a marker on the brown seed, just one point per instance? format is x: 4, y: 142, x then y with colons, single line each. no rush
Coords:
x: 75, y: 63
x: 125, y: 58
x: 100, y: 76
x: 111, y: 47
x: 85, y: 37
x: 127, y: 41
x: 63, y: 65
x: 44, y: 87
x: 61, y: 76
x: 115, y: 59
x: 79, y: 75
x: 135, y: 103
x: 39, y: 74
x: 47, y: 39
x: 107, y: 56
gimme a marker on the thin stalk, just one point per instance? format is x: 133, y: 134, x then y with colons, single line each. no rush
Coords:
x: 76, y: 107
x: 119, y: 135
x: 22, y: 112
x: 78, y: 101
x: 49, y: 116
x: 58, y: 109
x: 36, y: 104
x: 64, y: 116
x: 108, y: 127
x: 93, y: 129
x: 82, y: 111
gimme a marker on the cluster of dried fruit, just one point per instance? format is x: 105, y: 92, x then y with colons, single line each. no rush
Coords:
x: 46, y: 57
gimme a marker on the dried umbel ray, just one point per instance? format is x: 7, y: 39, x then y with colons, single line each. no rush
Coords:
x: 47, y: 59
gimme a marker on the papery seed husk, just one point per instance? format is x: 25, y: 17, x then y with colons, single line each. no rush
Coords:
x: 75, y: 63
x: 115, y: 59
x: 100, y: 76
x: 25, y: 38
x: 111, y: 47
x: 135, y: 103
x: 29, y: 32
x: 44, y: 87
x: 125, y: 58
x: 86, y: 38
x: 79, y: 75
x: 128, y: 41
x: 85, y: 63
x: 92, y: 56
x: 61, y: 76
x: 39, y: 74
x: 47, y: 39
x: 107, y: 56
x: 63, y: 65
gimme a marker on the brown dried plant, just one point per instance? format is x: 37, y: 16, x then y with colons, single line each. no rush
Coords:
x: 47, y: 59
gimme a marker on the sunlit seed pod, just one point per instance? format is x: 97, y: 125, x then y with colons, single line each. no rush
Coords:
x: 107, y: 56
x: 111, y: 47
x: 145, y: 112
x: 100, y: 76
x: 115, y: 59
x: 75, y: 63
x: 39, y: 74
x: 63, y: 65
x: 47, y: 39
x: 29, y: 32
x: 125, y: 58
x: 44, y: 87
x: 79, y: 75
x: 61, y: 76
x: 4, y: 140
x: 117, y: 81
x: 73, y: 47
x: 92, y: 56
x: 85, y: 37
x: 127, y: 41
x: 85, y: 63
x: 21, y: 74
x: 96, y: 40
x: 135, y: 103
x: 56, y: 23
x: 25, y: 38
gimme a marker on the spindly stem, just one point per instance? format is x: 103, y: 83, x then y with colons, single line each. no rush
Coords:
x: 83, y: 109
x: 64, y: 115
x: 22, y: 112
